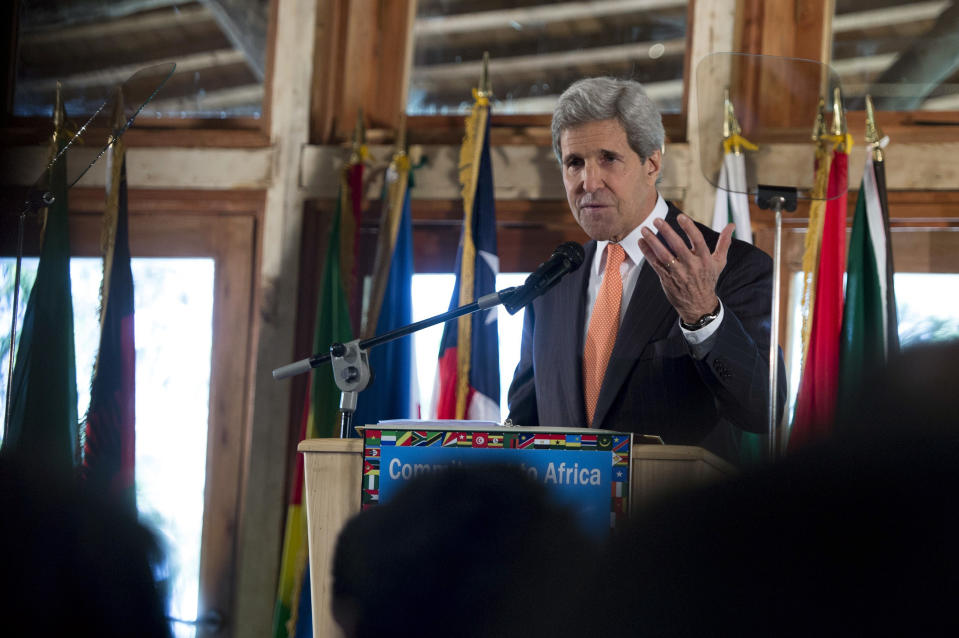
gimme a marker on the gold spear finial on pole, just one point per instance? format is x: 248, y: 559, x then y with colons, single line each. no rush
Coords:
x: 838, y: 121
x: 119, y: 115
x: 819, y: 128
x: 731, y: 127
x: 359, y: 138
x: 873, y: 133
x: 485, y: 90
x: 401, y: 133
x: 59, y: 113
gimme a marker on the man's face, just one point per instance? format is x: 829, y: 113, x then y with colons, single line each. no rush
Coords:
x: 609, y: 189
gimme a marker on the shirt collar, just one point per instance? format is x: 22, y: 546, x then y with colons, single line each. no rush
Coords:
x: 630, y: 242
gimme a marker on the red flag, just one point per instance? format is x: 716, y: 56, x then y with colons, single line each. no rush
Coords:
x: 110, y: 447
x: 816, y: 403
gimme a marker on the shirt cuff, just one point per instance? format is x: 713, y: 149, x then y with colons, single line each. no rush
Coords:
x: 701, y: 341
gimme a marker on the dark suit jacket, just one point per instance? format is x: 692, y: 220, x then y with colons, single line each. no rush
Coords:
x: 653, y: 384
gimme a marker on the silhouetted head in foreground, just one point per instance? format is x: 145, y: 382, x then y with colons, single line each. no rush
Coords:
x: 74, y: 564
x: 856, y: 536
x: 467, y: 551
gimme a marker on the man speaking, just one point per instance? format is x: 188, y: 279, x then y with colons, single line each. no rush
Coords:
x: 665, y: 328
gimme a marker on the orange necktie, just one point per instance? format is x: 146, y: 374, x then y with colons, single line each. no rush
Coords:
x: 603, y: 326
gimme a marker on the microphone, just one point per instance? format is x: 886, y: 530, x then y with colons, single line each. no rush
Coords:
x: 565, y: 259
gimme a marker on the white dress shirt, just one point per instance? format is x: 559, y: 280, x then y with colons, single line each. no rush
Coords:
x: 629, y: 271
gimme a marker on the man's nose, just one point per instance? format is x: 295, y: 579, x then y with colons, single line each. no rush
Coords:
x: 592, y: 178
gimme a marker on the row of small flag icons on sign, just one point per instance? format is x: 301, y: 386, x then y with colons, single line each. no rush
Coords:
x: 516, y: 440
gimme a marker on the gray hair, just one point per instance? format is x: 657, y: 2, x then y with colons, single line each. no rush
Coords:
x: 594, y: 99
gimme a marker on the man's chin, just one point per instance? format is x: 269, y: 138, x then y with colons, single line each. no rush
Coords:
x: 597, y: 229
x: 596, y: 223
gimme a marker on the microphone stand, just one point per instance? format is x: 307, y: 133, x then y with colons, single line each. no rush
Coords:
x: 351, y: 364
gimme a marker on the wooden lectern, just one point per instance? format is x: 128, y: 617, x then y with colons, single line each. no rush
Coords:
x: 334, y: 469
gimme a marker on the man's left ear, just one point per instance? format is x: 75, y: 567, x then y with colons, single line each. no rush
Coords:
x: 653, y: 165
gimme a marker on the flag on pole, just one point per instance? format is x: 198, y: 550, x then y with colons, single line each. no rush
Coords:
x: 394, y: 393
x: 43, y: 424
x: 351, y: 205
x: 819, y: 384
x: 292, y: 616
x: 732, y: 205
x: 110, y: 443
x: 467, y: 382
x: 870, y: 324
x: 732, y: 198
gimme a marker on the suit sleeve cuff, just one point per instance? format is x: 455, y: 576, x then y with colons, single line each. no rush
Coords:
x: 701, y: 341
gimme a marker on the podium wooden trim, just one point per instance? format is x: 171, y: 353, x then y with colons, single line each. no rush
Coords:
x: 334, y: 474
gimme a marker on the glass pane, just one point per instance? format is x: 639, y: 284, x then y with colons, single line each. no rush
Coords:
x: 538, y: 48
x: 90, y: 46
x: 173, y: 317
x: 928, y: 308
x: 174, y: 337
x: 903, y: 53
x: 431, y: 296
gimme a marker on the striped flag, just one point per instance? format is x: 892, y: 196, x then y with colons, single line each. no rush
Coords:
x: 822, y: 310
x: 870, y: 332
x: 43, y: 424
x: 732, y: 205
x: 732, y: 200
x: 467, y: 382
x: 394, y: 393
x: 110, y: 444
x: 292, y: 614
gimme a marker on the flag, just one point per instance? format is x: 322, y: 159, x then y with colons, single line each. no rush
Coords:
x: 110, y: 443
x: 467, y: 382
x: 870, y: 332
x: 43, y: 426
x: 825, y: 249
x: 732, y: 205
x: 394, y: 392
x: 292, y: 614
x: 732, y: 201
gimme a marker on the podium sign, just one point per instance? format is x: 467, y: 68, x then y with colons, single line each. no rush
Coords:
x: 585, y: 470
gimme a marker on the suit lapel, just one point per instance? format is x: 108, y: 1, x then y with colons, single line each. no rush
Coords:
x: 648, y: 309
x: 569, y: 336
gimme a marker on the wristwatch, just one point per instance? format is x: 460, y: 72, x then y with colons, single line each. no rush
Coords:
x: 702, y: 322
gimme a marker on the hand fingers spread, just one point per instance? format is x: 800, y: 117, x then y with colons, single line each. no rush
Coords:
x: 695, y: 237
x: 653, y: 249
x: 725, y: 241
x: 672, y: 238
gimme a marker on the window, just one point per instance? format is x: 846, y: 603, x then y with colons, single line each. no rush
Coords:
x: 928, y: 308
x: 172, y: 297
x: 538, y: 48
x: 901, y: 52
x: 90, y: 46
x: 204, y: 262
x: 431, y: 296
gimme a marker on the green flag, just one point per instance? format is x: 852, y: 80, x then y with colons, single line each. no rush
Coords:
x: 870, y: 327
x: 42, y: 427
